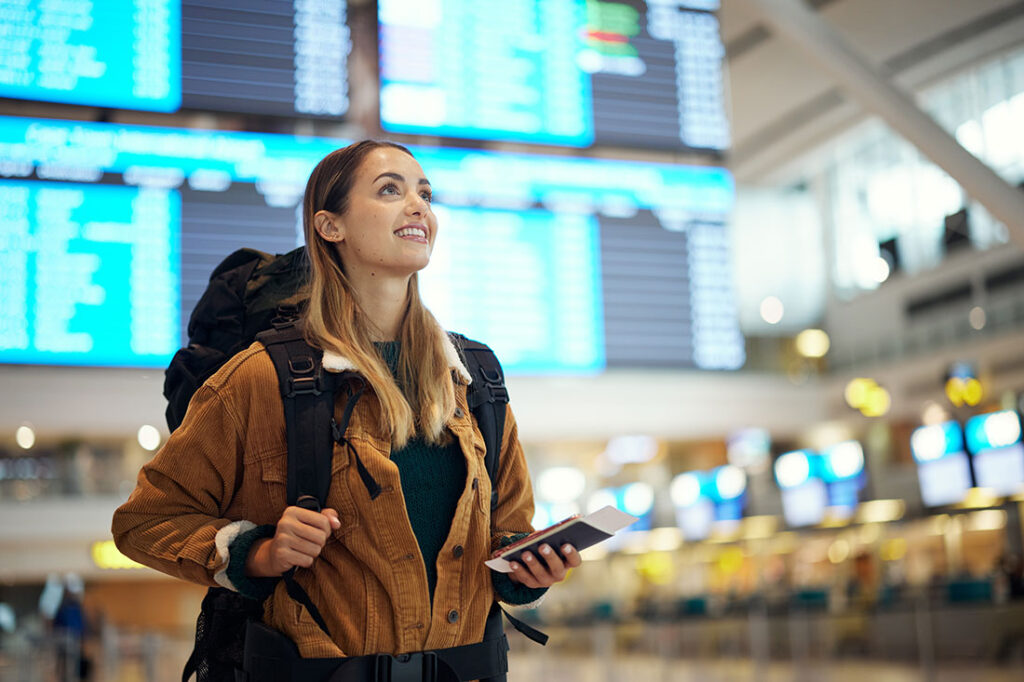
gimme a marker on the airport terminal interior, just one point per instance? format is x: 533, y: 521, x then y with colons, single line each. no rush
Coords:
x: 753, y: 268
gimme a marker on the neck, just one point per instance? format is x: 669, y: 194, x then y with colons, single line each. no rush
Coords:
x: 383, y: 301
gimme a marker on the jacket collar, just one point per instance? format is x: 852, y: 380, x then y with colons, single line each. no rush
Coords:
x: 335, y: 362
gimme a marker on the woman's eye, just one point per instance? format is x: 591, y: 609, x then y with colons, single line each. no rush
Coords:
x: 390, y: 188
x: 427, y: 196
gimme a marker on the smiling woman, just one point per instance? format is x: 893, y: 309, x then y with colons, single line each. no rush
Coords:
x: 394, y: 560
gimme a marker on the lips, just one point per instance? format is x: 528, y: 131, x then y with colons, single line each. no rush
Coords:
x: 417, y: 233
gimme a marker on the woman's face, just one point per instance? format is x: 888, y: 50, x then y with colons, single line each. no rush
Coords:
x: 388, y: 229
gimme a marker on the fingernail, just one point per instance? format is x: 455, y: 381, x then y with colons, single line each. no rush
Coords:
x: 545, y: 550
x: 514, y: 566
x: 527, y: 558
x: 567, y: 549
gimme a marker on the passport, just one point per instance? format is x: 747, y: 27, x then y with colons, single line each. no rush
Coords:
x: 579, y: 531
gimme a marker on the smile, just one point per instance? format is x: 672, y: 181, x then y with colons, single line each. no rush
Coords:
x: 414, y: 232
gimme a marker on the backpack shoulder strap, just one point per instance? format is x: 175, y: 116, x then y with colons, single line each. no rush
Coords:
x: 487, y: 398
x: 307, y: 392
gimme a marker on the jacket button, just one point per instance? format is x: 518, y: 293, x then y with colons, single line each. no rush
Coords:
x: 457, y: 551
x: 459, y: 413
x: 453, y: 616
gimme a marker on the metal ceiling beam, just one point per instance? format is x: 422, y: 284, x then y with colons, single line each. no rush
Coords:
x: 804, y: 28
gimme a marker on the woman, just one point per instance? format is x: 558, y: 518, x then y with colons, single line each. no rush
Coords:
x: 400, y: 572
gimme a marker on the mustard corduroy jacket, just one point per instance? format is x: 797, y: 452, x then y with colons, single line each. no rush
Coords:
x: 224, y: 471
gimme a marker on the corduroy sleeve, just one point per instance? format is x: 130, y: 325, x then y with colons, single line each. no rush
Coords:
x: 514, y: 511
x: 174, y: 519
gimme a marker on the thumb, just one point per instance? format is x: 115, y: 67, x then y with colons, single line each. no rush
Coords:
x: 332, y: 516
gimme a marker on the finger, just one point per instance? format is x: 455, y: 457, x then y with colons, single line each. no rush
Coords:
x: 572, y: 557
x: 333, y: 518
x: 537, y: 569
x: 555, y: 565
x: 301, y: 546
x: 294, y: 558
x: 309, y: 518
x: 308, y: 525
x: 521, y: 575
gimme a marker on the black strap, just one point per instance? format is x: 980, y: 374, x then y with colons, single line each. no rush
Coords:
x: 191, y: 664
x: 272, y: 657
x: 527, y: 630
x: 338, y: 433
x: 487, y: 398
x: 307, y: 393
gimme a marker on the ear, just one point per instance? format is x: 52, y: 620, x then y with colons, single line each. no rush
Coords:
x: 329, y: 226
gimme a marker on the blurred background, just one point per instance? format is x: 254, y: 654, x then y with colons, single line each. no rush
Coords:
x: 753, y: 267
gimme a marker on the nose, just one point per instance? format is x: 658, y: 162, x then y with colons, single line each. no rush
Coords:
x: 416, y: 204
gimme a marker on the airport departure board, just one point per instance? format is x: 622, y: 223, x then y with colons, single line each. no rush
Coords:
x: 566, y: 72
x: 276, y: 57
x: 108, y: 235
x: 110, y: 53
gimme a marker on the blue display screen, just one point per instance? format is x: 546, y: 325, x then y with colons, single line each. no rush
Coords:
x: 562, y: 264
x: 114, y: 53
x: 996, y: 450
x: 89, y: 274
x: 566, y: 72
x: 551, y: 262
x: 935, y: 441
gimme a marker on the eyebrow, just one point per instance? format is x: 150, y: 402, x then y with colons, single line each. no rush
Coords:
x: 396, y: 176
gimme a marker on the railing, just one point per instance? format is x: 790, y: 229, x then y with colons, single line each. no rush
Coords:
x: 935, y: 332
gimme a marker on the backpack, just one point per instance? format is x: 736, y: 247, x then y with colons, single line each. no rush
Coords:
x: 255, y: 295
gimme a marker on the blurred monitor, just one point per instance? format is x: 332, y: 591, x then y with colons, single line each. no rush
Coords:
x: 804, y: 492
x: 805, y: 504
x: 561, y: 264
x: 994, y: 441
x: 957, y: 232
x: 696, y: 520
x: 943, y: 470
x: 749, y: 448
x: 285, y: 59
x: 842, y: 469
x: 574, y: 73
x: 889, y: 250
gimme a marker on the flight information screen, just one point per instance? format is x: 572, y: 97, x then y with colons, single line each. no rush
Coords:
x: 114, y: 53
x: 265, y: 56
x: 110, y: 232
x: 276, y: 57
x: 567, y: 72
x: 89, y: 273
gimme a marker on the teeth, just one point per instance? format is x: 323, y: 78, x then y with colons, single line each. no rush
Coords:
x: 411, y: 231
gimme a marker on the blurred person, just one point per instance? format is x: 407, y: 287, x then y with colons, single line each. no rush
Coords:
x: 1010, y: 575
x: 394, y: 572
x: 69, y: 629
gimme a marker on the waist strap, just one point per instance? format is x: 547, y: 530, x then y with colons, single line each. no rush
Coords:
x: 272, y: 657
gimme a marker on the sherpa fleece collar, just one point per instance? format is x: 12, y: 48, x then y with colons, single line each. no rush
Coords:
x: 334, y: 362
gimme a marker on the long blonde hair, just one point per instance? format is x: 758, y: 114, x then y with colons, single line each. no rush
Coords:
x: 334, y: 321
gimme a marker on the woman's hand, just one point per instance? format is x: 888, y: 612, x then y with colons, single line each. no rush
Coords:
x: 299, y: 537
x: 532, y: 572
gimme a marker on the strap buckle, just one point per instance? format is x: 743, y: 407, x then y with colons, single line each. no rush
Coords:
x: 304, y: 386
x: 419, y: 666
x: 286, y: 316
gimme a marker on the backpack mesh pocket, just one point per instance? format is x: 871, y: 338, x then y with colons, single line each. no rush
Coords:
x: 220, y: 635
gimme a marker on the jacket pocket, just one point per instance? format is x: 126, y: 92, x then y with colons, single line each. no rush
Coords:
x: 274, y: 479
